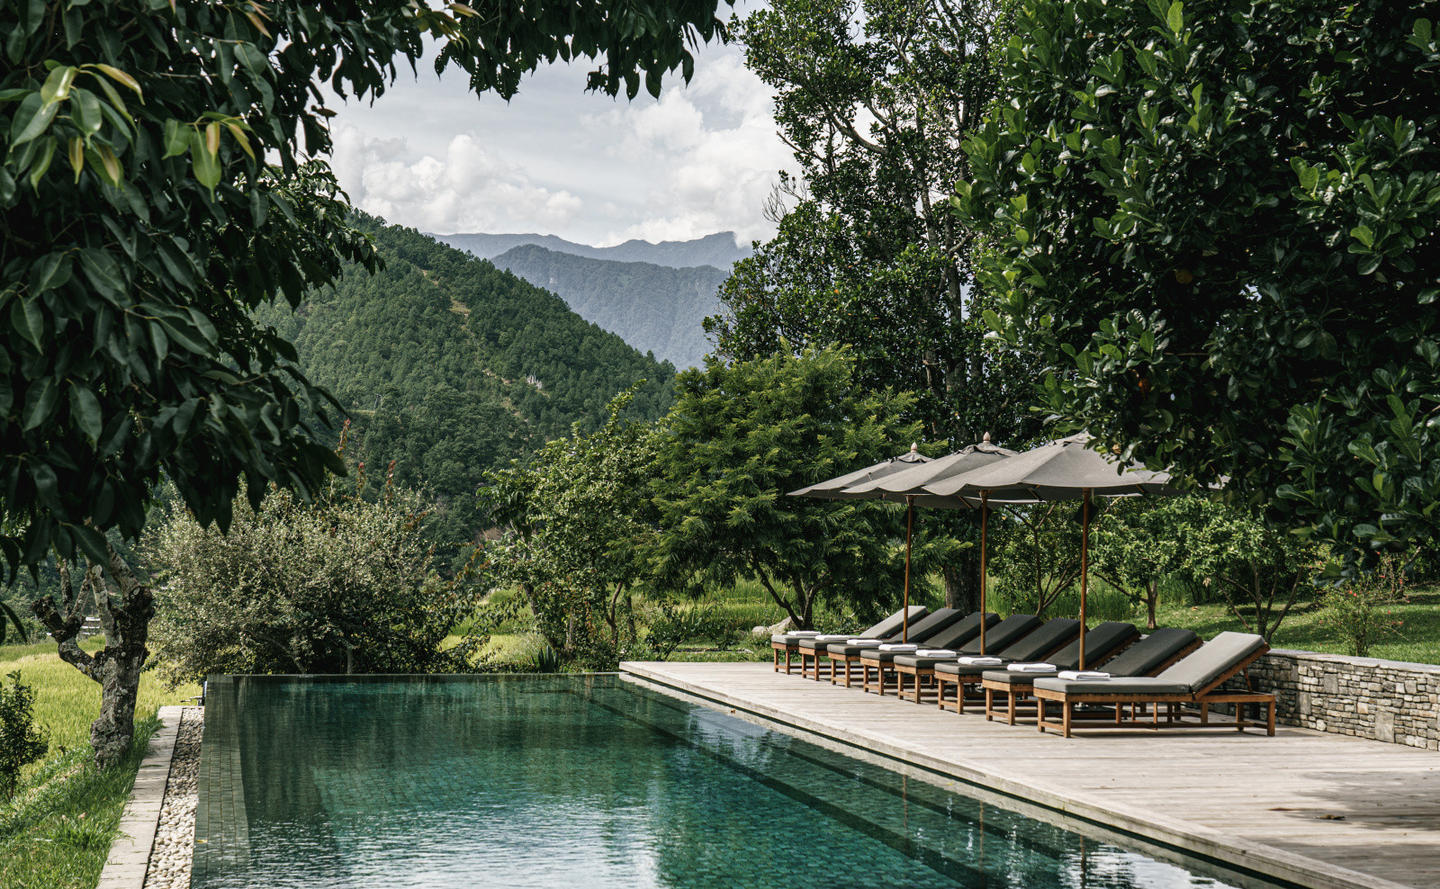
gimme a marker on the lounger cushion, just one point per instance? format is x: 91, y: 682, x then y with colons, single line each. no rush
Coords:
x: 1011, y: 677
x: 1044, y: 640
x: 1202, y: 666
x: 1137, y: 685
x: 1145, y: 657
x: 845, y: 649
x: 934, y: 622
x: 1101, y: 641
x: 962, y: 631
x: 958, y: 669
x: 1006, y: 632
x: 875, y: 655
x: 892, y: 624
x: 922, y: 663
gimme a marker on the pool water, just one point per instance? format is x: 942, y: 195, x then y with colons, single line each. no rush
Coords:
x: 584, y: 782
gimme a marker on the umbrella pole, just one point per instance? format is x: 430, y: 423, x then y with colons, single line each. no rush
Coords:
x: 909, y: 531
x: 1084, y: 568
x: 984, y: 517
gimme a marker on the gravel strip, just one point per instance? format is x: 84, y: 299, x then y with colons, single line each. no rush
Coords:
x: 175, y: 837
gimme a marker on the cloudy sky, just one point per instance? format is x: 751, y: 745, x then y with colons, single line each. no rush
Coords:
x: 558, y: 160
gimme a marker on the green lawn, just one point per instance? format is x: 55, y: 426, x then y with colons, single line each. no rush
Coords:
x: 56, y: 831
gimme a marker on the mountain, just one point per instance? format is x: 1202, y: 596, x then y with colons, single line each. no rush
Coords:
x: 716, y: 250
x: 654, y: 308
x: 450, y: 366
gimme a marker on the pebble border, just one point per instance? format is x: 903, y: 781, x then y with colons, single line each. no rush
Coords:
x: 170, y: 857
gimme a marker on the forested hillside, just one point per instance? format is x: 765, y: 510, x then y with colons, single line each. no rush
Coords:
x: 451, y: 366
x: 655, y: 308
x: 718, y: 250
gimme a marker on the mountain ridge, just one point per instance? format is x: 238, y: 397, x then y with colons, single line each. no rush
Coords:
x: 718, y: 250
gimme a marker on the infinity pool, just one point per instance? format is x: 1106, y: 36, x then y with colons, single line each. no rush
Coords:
x: 585, y: 782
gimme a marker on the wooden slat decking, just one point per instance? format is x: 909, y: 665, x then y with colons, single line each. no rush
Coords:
x: 1317, y: 809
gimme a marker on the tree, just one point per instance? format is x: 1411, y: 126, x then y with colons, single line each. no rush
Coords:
x: 155, y: 189
x: 1039, y: 547
x: 580, y: 519
x: 738, y: 437
x: 875, y: 98
x: 338, y: 585
x: 1218, y: 228
x: 1137, y: 543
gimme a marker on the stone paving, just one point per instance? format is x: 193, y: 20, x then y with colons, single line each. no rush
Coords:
x: 175, y: 835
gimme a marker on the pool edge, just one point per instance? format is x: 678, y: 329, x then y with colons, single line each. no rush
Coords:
x: 128, y: 862
x: 1203, y: 842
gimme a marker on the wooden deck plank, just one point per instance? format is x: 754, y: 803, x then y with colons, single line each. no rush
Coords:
x: 1318, y: 809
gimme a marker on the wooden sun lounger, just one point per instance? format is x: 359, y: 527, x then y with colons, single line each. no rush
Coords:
x: 921, y: 670
x: 846, y: 656
x: 815, y: 656
x: 1036, y: 646
x: 788, y: 644
x: 1193, y: 680
x: 881, y: 664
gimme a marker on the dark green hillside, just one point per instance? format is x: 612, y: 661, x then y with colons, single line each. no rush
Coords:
x: 656, y: 308
x: 451, y: 366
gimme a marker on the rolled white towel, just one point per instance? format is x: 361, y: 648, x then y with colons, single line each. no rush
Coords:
x: 904, y: 647
x: 832, y: 637
x: 1083, y: 674
x: 804, y: 634
x: 934, y: 652
x: 864, y: 642
x: 1032, y: 668
x: 975, y: 660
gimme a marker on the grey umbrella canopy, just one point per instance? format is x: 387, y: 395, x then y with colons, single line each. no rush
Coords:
x: 1067, y: 469
x: 838, y: 489
x: 908, y: 486
x: 835, y: 488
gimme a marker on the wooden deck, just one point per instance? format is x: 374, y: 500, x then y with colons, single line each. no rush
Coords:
x: 1315, y: 809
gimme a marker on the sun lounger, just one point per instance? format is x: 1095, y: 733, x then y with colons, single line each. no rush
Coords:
x: 881, y: 663
x: 1194, y: 679
x: 922, y: 669
x: 789, y: 643
x: 846, y: 653
x: 1102, y: 644
x: 813, y: 651
x: 1044, y: 642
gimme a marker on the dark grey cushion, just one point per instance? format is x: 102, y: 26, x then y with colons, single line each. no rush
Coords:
x: 1138, y: 685
x: 1006, y: 632
x: 1036, y: 645
x: 1101, y: 641
x: 1204, y: 665
x: 892, y: 625
x: 955, y: 668
x: 881, y: 657
x: 934, y: 622
x: 1015, y: 677
x: 1146, y: 656
x: 848, y: 650
x: 961, y: 631
x: 923, y: 663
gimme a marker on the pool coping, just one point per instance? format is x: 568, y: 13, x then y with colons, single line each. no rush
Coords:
x: 1225, y: 849
x: 129, y: 860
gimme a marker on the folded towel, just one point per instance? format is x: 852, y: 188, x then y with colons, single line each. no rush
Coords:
x: 804, y: 634
x: 1032, y: 668
x: 1083, y: 674
x: 832, y: 637
x: 981, y: 661
x: 934, y: 652
x: 864, y: 642
x: 899, y: 646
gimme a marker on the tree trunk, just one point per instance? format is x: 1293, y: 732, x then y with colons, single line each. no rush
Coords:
x: 962, y: 581
x: 125, y: 614
x: 1152, y: 599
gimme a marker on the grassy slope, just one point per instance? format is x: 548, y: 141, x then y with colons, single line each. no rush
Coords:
x: 56, y: 832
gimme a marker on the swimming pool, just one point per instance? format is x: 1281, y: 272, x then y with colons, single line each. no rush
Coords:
x: 585, y: 781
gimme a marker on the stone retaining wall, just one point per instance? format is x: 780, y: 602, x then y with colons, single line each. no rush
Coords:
x: 1366, y: 697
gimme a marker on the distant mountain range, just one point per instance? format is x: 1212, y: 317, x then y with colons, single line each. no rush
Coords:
x: 655, y: 296
x: 718, y: 250
x: 654, y: 308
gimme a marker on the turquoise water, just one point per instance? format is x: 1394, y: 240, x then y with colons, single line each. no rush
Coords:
x: 585, y: 782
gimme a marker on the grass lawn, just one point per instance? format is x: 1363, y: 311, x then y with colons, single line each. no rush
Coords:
x: 56, y: 831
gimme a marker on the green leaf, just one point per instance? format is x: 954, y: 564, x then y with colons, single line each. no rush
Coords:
x: 122, y: 78
x: 31, y: 119
x: 40, y: 403
x: 28, y: 320
x: 57, y: 85
x: 85, y: 409
x: 41, y: 165
x: 103, y: 273
x: 205, y: 165
x: 85, y: 112
x: 50, y: 271
x: 1363, y: 234
x: 1175, y: 17
x: 177, y: 138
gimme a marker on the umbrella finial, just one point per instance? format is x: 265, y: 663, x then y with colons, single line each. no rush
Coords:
x: 914, y: 447
x: 985, y: 438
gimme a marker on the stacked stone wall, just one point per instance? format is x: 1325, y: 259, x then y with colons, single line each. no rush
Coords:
x: 1382, y: 700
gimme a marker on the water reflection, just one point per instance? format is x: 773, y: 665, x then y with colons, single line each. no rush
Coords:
x: 455, y: 782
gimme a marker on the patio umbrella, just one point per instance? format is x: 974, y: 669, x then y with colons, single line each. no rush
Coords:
x: 1061, y: 470
x: 909, y: 485
x: 837, y: 489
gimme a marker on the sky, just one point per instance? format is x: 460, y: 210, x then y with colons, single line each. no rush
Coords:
x: 558, y: 160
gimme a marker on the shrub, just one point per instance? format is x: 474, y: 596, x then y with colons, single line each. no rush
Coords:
x: 21, y: 742
x: 1357, y: 612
